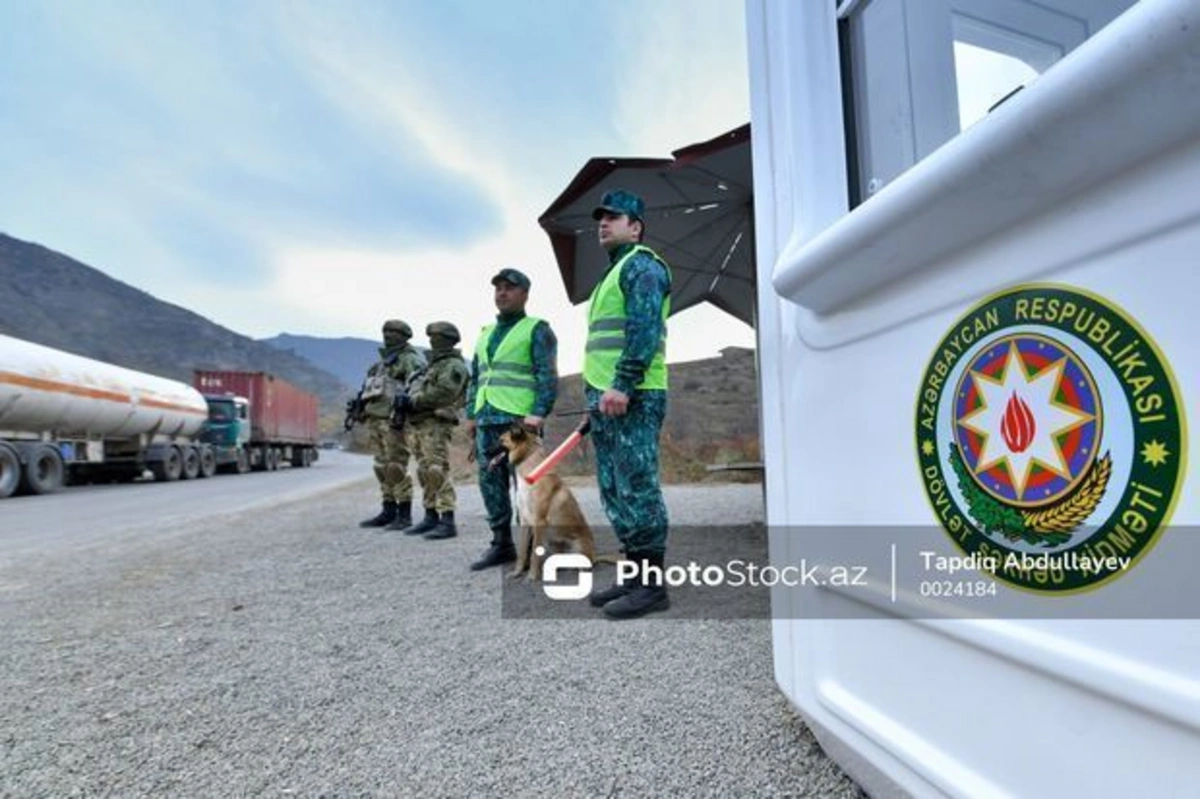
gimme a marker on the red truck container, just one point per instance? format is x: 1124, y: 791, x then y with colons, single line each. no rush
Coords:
x: 282, y: 419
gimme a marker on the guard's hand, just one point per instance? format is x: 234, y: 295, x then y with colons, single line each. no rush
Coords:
x: 613, y: 403
x: 470, y: 426
x: 533, y: 422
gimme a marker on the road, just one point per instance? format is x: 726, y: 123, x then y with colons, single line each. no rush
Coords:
x: 281, y: 650
x: 80, y: 516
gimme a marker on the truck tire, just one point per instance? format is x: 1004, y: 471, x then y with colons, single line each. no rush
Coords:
x: 208, y: 462
x: 169, y: 468
x: 43, y: 471
x: 191, y: 463
x: 272, y: 456
x: 10, y: 470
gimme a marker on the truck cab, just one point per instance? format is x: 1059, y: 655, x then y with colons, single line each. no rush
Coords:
x: 227, y: 430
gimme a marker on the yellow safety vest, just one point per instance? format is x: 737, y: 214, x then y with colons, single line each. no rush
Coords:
x: 606, y: 330
x: 506, y: 380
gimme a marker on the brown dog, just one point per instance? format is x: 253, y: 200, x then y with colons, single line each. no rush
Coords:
x: 550, y: 517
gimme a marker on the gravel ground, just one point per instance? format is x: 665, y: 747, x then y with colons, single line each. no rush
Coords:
x: 287, y: 652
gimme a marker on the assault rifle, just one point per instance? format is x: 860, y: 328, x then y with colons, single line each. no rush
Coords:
x: 400, y: 407
x: 354, y: 411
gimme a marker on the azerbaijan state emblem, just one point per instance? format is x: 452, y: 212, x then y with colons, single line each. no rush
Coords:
x: 1050, y: 438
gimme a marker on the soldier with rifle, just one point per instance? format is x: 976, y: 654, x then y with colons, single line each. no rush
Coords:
x: 399, y: 363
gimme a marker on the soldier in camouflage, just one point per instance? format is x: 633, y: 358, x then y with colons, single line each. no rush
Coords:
x: 514, y: 380
x: 432, y: 409
x: 399, y: 362
x: 625, y: 376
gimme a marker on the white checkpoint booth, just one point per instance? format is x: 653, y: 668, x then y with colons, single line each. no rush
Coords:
x: 977, y: 321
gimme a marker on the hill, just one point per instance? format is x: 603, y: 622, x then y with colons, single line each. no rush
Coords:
x: 346, y: 359
x: 51, y: 299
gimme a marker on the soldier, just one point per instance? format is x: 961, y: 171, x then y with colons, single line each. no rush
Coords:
x: 432, y: 409
x: 514, y: 379
x: 625, y: 376
x: 399, y: 362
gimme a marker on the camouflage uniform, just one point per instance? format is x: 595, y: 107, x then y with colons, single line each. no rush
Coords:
x: 397, y: 365
x: 436, y: 397
x: 627, y: 446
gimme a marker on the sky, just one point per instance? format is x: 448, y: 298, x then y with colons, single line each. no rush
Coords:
x: 317, y: 166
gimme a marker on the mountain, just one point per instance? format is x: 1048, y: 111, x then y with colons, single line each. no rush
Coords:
x: 345, y: 358
x: 51, y: 299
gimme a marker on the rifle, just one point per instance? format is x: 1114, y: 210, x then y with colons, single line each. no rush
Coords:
x: 400, y: 407
x: 354, y: 411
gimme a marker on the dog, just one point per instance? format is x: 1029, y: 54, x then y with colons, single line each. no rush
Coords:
x: 550, y: 516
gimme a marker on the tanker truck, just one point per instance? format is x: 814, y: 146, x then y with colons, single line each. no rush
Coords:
x: 65, y: 418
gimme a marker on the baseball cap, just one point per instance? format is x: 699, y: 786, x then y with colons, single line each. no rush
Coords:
x: 619, y: 201
x: 514, y: 276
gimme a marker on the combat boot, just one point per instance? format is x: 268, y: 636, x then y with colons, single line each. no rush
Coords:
x: 425, y: 525
x: 501, y: 551
x: 618, y: 589
x: 403, y: 516
x: 385, y: 517
x: 646, y: 596
x: 445, y: 528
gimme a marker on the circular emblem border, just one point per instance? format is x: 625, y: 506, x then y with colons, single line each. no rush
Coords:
x: 1152, y: 489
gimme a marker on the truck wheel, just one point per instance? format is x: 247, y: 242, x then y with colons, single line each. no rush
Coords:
x: 43, y: 471
x: 169, y: 468
x: 10, y: 470
x: 191, y: 463
x: 208, y: 462
x: 272, y: 456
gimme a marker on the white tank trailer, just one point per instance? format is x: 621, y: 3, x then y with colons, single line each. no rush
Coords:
x: 66, y: 418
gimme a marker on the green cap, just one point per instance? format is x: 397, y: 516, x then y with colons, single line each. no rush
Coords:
x: 619, y: 201
x: 444, y: 330
x: 514, y: 276
x: 401, y: 327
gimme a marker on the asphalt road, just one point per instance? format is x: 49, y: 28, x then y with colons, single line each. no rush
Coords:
x: 81, y: 516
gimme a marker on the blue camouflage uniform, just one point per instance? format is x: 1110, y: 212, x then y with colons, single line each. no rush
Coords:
x: 627, y: 446
x: 492, y: 422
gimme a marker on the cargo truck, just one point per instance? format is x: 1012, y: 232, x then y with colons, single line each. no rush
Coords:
x: 257, y: 420
x: 65, y: 418
x: 977, y: 324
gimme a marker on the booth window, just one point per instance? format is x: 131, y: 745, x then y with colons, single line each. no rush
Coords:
x: 921, y: 71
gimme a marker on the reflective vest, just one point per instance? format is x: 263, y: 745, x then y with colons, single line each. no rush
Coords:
x: 606, y: 330
x: 506, y: 380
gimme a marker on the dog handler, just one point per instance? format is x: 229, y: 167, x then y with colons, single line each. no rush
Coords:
x: 514, y: 379
x: 625, y: 373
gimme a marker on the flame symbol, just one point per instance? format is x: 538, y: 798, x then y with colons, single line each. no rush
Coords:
x: 1018, y: 426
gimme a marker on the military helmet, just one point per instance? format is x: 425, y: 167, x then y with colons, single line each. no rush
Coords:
x: 443, y: 329
x: 399, y: 326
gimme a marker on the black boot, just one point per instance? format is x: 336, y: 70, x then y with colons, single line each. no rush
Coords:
x: 445, y: 528
x: 649, y: 595
x: 403, y: 516
x: 385, y: 516
x: 425, y: 525
x: 618, y: 589
x: 501, y: 551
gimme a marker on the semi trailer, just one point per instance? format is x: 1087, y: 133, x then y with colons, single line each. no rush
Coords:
x: 67, y: 419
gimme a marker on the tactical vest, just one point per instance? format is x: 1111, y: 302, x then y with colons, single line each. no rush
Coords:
x: 606, y: 330
x: 506, y: 380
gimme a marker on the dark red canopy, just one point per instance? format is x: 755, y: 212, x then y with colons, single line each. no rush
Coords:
x: 699, y: 217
